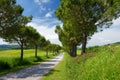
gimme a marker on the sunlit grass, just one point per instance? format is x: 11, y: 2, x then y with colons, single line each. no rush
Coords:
x: 100, y: 63
x: 10, y: 59
x: 78, y: 52
x: 16, y: 53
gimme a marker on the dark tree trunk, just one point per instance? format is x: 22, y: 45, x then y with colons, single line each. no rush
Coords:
x: 36, y: 50
x: 21, y: 57
x: 70, y: 51
x: 84, y: 42
x: 46, y: 53
x: 73, y: 51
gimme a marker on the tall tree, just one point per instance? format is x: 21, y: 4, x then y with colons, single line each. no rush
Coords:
x: 18, y: 33
x: 69, y: 38
x: 47, y: 47
x: 36, y: 40
x: 87, y: 15
x: 39, y: 43
x: 21, y: 37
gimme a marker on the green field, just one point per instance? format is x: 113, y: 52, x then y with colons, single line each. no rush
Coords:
x: 9, y: 59
x: 100, y: 63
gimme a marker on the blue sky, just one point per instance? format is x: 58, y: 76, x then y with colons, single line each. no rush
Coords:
x: 44, y: 20
x: 39, y: 8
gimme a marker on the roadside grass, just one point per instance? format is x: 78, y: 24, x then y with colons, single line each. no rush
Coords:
x: 58, y: 73
x: 10, y: 59
x: 78, y: 52
x: 100, y: 63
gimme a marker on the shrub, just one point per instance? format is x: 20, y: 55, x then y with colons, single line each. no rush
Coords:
x: 4, y: 65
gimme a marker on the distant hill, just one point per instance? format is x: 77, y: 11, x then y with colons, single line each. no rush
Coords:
x: 4, y: 46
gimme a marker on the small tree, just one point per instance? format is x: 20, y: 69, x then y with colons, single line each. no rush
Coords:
x: 54, y: 48
x: 36, y: 40
x: 40, y: 43
x: 47, y: 47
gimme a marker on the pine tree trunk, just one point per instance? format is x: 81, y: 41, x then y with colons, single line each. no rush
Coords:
x: 21, y: 57
x: 84, y: 42
x: 46, y: 53
x: 73, y: 51
x: 35, y: 50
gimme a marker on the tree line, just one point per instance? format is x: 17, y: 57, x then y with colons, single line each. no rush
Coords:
x: 81, y: 19
x: 14, y: 29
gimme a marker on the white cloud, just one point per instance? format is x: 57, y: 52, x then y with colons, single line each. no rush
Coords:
x: 116, y: 22
x: 45, y: 1
x: 46, y: 21
x: 46, y: 29
x: 40, y: 3
x: 2, y: 42
x: 107, y: 36
x: 37, y: 2
x: 48, y: 15
x: 42, y: 8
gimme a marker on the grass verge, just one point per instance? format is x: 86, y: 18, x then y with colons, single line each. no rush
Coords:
x: 100, y: 63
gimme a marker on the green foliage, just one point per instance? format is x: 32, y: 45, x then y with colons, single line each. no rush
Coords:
x: 10, y: 15
x: 82, y: 18
x: 94, y: 48
x: 13, y: 24
x: 35, y: 39
x: 55, y: 48
x: 68, y: 37
x: 4, y: 65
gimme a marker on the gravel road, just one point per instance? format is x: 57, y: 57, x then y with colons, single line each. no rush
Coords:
x: 34, y: 72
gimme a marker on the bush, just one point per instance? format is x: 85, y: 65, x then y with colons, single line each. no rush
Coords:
x: 24, y: 62
x: 4, y: 65
x: 95, y: 48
